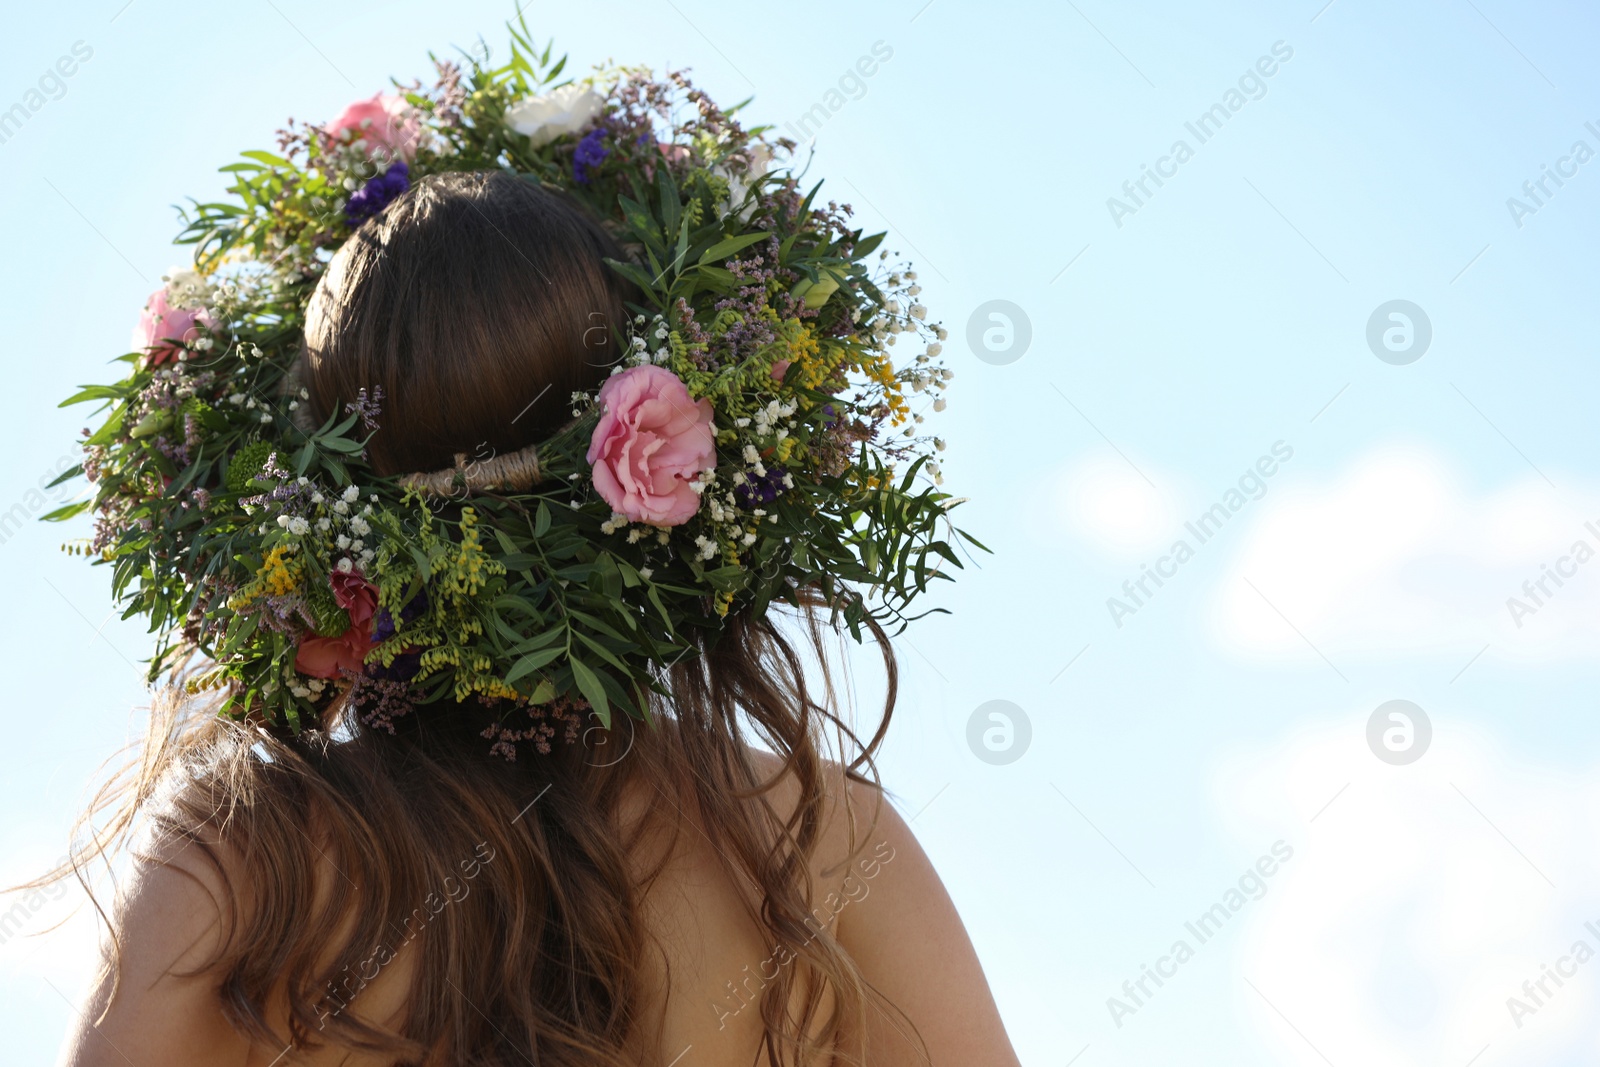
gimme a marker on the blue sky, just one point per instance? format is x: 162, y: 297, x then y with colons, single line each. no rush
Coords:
x: 1226, y: 314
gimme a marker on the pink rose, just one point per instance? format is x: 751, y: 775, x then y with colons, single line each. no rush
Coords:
x: 780, y: 368
x: 386, y: 123
x: 651, y: 442
x: 329, y: 657
x: 676, y: 154
x: 356, y: 595
x: 163, y: 329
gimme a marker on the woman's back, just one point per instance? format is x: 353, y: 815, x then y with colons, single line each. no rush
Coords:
x: 703, y: 974
x: 387, y: 818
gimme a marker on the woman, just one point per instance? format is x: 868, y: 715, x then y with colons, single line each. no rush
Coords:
x: 356, y: 868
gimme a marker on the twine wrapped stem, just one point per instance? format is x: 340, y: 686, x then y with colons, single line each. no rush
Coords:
x: 514, y: 472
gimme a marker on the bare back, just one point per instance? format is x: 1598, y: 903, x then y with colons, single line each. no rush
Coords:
x: 703, y: 978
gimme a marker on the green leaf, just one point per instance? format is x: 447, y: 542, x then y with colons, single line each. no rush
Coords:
x: 341, y: 444
x: 268, y: 158
x: 718, y: 277
x: 671, y: 205
x: 66, y: 476
x: 94, y: 392
x: 602, y: 651
x: 540, y: 640
x: 635, y: 275
x: 67, y: 511
x: 640, y: 221
x: 506, y: 545
x: 595, y: 693
x: 723, y: 249
x: 533, y: 661
x: 869, y: 245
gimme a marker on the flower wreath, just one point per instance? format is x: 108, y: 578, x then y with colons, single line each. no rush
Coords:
x: 755, y: 440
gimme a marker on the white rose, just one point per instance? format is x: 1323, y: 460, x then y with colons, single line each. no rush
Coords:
x: 740, y: 184
x: 186, y: 288
x: 544, y: 118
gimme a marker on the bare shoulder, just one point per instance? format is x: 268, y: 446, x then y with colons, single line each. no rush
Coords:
x: 158, y: 998
x: 849, y: 811
x: 153, y: 1002
x: 899, y: 924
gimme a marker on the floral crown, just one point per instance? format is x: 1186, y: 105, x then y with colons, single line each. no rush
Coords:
x: 755, y: 440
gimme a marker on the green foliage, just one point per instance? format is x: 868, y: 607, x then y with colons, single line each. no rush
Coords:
x: 241, y: 532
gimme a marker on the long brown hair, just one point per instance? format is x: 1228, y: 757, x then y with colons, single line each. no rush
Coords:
x: 467, y: 297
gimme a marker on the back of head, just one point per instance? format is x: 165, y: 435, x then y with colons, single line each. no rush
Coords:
x: 426, y: 674
x: 477, y: 303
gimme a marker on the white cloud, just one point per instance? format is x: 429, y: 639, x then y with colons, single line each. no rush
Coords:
x: 1106, y: 502
x: 1393, y: 557
x: 1406, y: 920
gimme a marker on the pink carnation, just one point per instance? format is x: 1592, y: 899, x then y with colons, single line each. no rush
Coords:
x: 328, y: 657
x: 384, y: 122
x: 164, y: 329
x: 651, y: 442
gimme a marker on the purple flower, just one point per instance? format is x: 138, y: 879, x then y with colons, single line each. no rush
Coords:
x: 405, y: 667
x: 383, y: 626
x: 590, y: 154
x: 377, y: 194
x: 367, y: 407
x: 406, y: 664
x: 760, y: 490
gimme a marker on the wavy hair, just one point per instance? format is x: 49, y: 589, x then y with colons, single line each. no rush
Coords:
x: 470, y: 293
x: 541, y: 961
